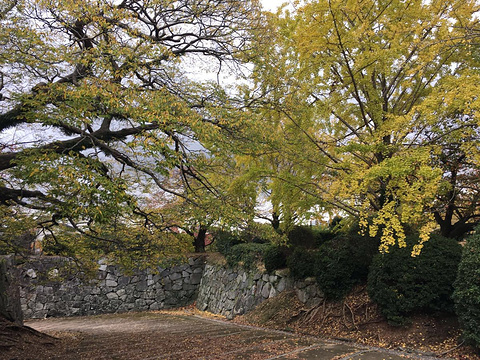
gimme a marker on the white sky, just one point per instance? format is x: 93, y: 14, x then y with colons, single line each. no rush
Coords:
x: 272, y: 5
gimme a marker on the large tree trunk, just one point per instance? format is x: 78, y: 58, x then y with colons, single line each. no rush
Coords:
x: 199, y: 240
x: 10, y: 307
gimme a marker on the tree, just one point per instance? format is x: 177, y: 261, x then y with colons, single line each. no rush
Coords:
x: 103, y: 95
x: 372, y: 89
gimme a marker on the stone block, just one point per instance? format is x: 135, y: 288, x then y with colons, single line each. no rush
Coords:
x: 154, y: 306
x: 195, y: 278
x: 140, y: 303
x: 95, y: 291
x: 175, y: 276
x: 111, y: 276
x: 272, y: 293
x: 48, y: 290
x: 281, y: 285
x: 112, y: 296
x: 301, y: 295
x: 141, y: 285
x: 177, y: 287
x: 111, y: 283
x: 266, y: 290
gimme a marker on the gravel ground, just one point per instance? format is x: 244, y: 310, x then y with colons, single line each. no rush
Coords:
x: 176, y: 335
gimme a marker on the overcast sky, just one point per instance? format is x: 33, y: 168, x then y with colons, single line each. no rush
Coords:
x: 272, y: 5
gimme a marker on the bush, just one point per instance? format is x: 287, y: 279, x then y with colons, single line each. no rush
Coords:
x: 301, y: 263
x: 225, y: 240
x: 334, y: 270
x: 342, y: 262
x: 247, y: 255
x: 302, y: 236
x: 261, y: 234
x: 401, y: 284
x: 274, y: 258
x: 309, y: 237
x: 467, y: 291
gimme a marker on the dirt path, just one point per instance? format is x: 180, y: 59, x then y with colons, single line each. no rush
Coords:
x: 157, y: 335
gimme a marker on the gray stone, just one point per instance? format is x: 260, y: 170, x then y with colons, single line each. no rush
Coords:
x: 177, y: 287
x: 266, y: 290
x: 281, y: 284
x: 154, y: 306
x: 112, y: 296
x: 302, y: 295
x: 195, y: 278
x: 141, y: 285
x: 111, y: 276
x: 111, y: 283
x: 48, y: 290
x: 140, y: 303
x: 175, y: 276
x: 272, y: 293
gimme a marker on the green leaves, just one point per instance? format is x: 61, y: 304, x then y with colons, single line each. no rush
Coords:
x: 359, y: 80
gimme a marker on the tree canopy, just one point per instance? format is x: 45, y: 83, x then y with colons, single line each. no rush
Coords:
x: 377, y: 102
x: 114, y: 116
x: 101, y: 101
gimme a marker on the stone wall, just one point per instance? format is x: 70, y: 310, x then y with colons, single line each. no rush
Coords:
x: 45, y: 291
x: 232, y: 292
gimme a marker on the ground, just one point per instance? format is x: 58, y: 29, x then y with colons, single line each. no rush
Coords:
x: 349, y: 327
x: 358, y: 319
x: 175, y: 335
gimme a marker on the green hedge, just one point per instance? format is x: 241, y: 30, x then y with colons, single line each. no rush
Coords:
x: 275, y: 257
x: 225, y: 240
x: 308, y: 237
x: 467, y: 291
x: 401, y: 284
x: 344, y: 261
x: 247, y: 254
x: 302, y: 263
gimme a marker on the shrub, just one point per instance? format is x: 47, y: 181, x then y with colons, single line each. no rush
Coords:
x: 274, y: 258
x: 323, y: 235
x: 309, y: 237
x: 301, y: 263
x: 225, y: 240
x: 261, y: 234
x: 343, y: 262
x: 333, y: 270
x: 401, y: 284
x: 247, y: 255
x: 302, y: 236
x: 467, y: 291
x: 337, y: 265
